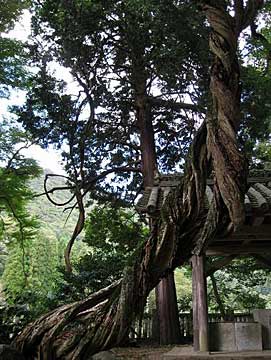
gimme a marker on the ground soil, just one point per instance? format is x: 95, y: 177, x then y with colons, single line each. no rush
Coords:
x: 145, y: 352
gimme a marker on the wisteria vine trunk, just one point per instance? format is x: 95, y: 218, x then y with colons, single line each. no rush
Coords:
x: 103, y: 320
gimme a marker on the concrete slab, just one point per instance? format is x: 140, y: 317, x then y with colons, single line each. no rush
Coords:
x: 248, y: 336
x: 222, y: 336
x: 231, y: 336
x: 263, y: 316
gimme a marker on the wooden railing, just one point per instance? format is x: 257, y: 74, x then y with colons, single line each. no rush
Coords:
x: 147, y: 328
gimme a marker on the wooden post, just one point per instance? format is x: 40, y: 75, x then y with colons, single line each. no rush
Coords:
x: 195, y: 305
x: 200, y: 311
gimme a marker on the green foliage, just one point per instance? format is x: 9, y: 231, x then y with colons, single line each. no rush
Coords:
x: 115, y: 47
x: 239, y: 286
x: 43, y: 254
x: 184, y: 288
x: 112, y: 234
x: 13, y: 71
x: 18, y: 227
x: 262, y: 153
x: 256, y: 108
x: 13, y: 54
x: 39, y: 290
x: 15, y: 172
x: 256, y: 82
x: 30, y: 287
x: 12, y: 319
x: 113, y: 230
x: 10, y: 12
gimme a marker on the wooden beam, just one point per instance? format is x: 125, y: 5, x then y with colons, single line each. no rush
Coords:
x: 250, y: 180
x: 223, y: 250
x: 152, y: 203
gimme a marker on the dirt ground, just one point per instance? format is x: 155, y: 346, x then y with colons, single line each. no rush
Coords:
x: 145, y: 352
x: 185, y: 352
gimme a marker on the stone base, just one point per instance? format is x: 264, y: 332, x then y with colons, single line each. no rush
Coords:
x: 222, y: 336
x: 264, y: 318
x: 230, y: 336
x: 178, y: 354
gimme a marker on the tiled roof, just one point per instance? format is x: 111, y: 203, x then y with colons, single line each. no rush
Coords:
x: 257, y: 199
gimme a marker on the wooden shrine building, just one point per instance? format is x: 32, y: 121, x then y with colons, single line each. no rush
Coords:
x: 253, y: 239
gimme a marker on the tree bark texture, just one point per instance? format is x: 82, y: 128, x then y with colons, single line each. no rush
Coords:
x: 166, y: 299
x: 143, y: 117
x: 103, y: 320
x: 166, y: 302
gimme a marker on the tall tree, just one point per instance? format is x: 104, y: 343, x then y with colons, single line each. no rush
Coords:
x: 136, y: 130
x: 183, y: 227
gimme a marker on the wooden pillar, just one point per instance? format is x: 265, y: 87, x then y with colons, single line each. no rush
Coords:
x: 195, y: 305
x: 200, y: 310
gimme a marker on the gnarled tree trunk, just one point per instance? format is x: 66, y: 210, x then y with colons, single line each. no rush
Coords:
x: 166, y: 300
x: 103, y: 320
x: 168, y: 316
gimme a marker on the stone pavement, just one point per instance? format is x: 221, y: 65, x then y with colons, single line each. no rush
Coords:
x: 182, y: 352
x: 186, y: 353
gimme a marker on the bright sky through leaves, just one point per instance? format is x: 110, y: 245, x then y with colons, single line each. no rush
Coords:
x: 47, y: 159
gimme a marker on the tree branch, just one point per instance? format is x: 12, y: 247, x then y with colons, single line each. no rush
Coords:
x: 173, y: 105
x: 219, y: 264
x: 77, y: 230
x: 47, y: 192
x: 239, y: 15
x: 218, y: 298
x: 13, y: 157
x: 250, y: 11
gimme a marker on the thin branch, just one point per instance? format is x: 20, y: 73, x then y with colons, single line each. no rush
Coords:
x: 13, y: 157
x: 51, y: 191
x: 250, y: 11
x: 119, y: 169
x: 173, y: 105
x: 47, y: 192
x: 79, y: 202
